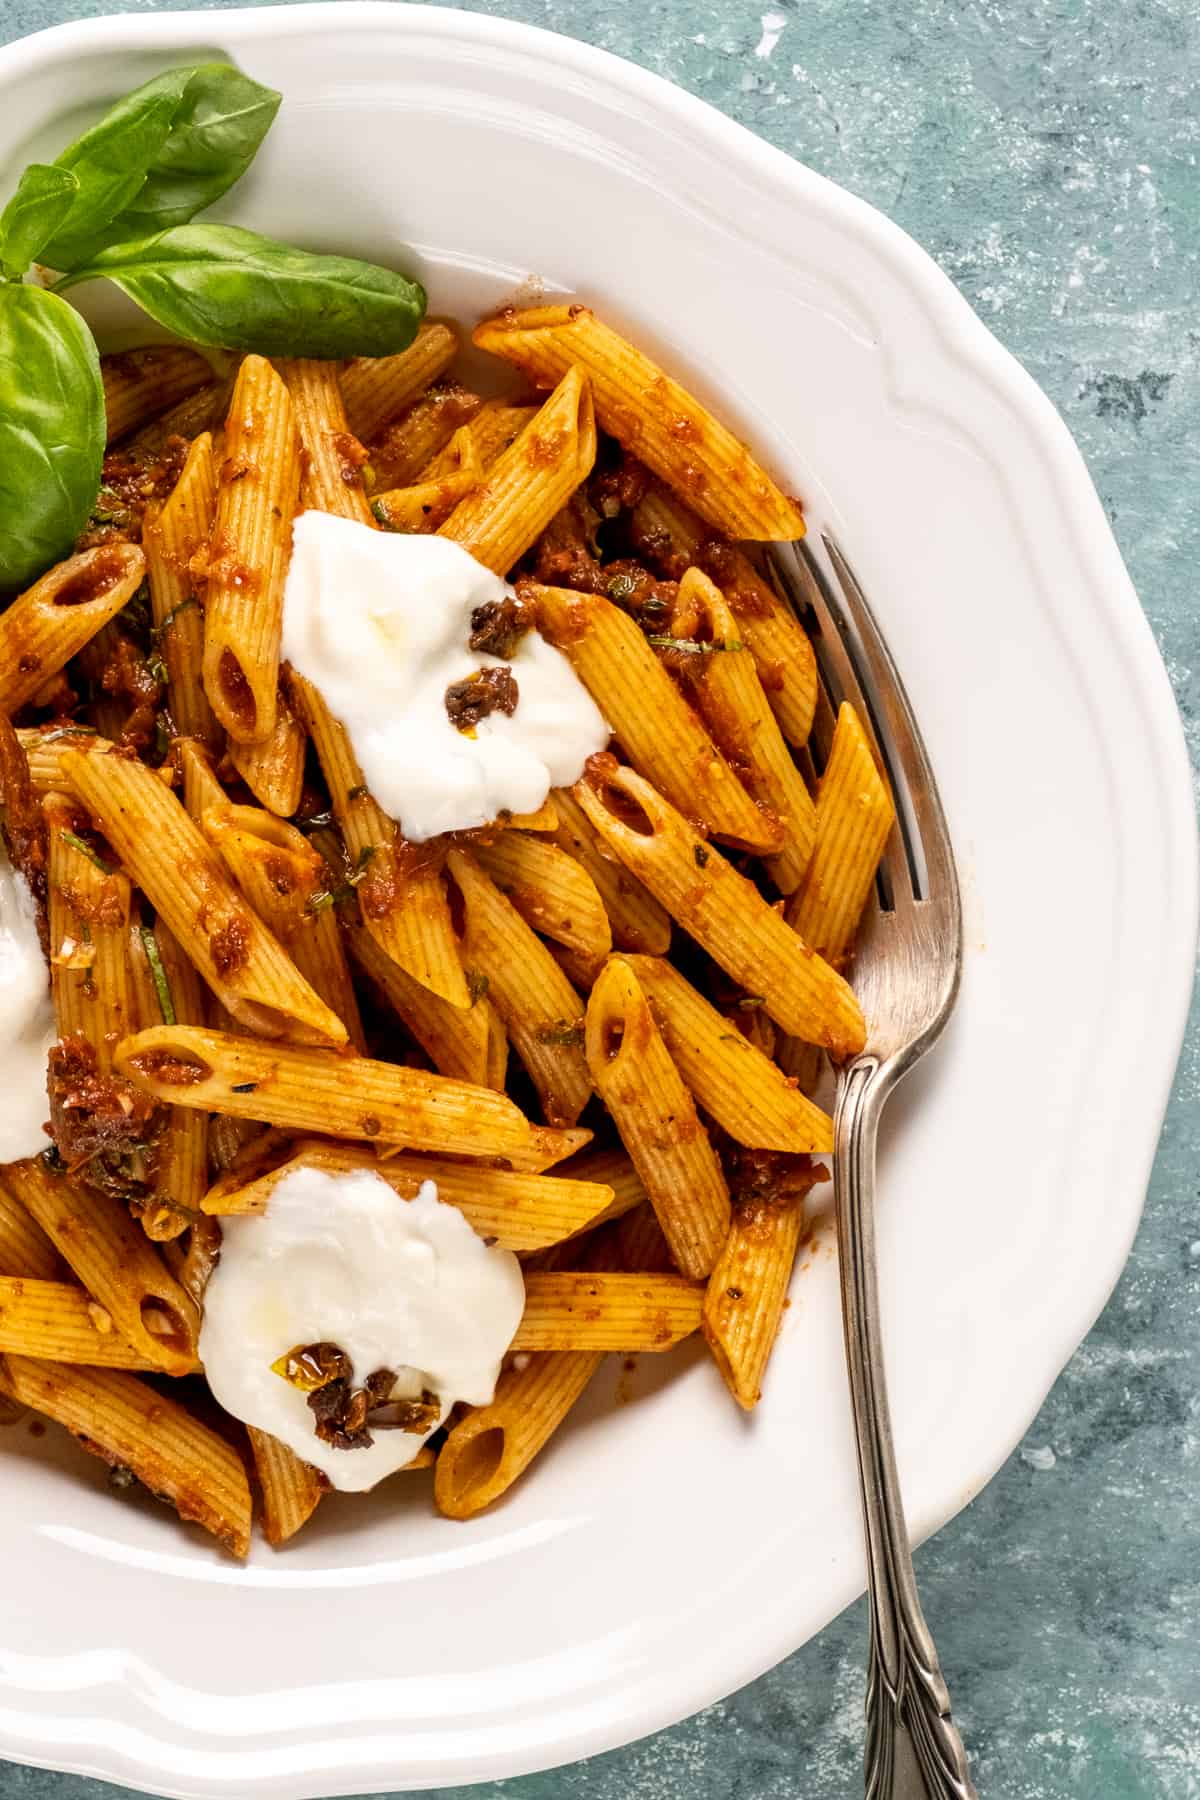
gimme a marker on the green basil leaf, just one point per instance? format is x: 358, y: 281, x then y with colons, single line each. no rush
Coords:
x: 51, y: 430
x: 232, y: 289
x: 222, y: 119
x: 35, y: 212
x: 110, y: 163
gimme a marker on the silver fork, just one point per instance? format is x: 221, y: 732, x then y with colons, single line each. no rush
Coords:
x: 906, y: 974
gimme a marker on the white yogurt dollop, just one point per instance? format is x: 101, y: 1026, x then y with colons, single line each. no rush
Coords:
x: 26, y: 1020
x: 380, y: 622
x: 395, y: 1284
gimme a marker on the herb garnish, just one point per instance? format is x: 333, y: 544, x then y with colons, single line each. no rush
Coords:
x: 158, y: 975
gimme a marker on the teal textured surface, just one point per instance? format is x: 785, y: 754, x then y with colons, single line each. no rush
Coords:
x: 1045, y: 152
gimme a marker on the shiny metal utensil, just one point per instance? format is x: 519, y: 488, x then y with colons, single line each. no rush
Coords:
x: 906, y: 973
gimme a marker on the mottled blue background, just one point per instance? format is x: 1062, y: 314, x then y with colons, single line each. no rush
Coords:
x: 1045, y: 151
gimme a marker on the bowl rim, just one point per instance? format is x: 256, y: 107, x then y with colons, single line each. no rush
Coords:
x: 964, y: 340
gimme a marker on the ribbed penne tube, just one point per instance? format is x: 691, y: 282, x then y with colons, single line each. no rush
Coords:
x: 521, y: 1212
x: 133, y: 1426
x: 332, y: 481
x: 650, y: 414
x: 495, y: 426
x: 544, y: 819
x: 166, y: 854
x: 729, y: 697
x: 111, y: 1256
x: 542, y: 1013
x: 642, y: 1242
x: 44, y: 748
x: 291, y: 1490
x: 201, y: 411
x: 663, y: 737
x: 376, y: 388
x: 657, y: 1119
x: 43, y: 628
x: 405, y: 448
x: 89, y: 937
x: 611, y: 1165
x: 258, y: 487
x: 60, y: 1322
x: 553, y: 893
x: 402, y: 900
x: 487, y: 1451
x: 180, y: 1175
x: 854, y: 817
x: 172, y: 534
x: 572, y: 1310
x: 454, y: 1038
x: 635, y: 918
x: 320, y: 1091
x: 24, y: 1247
x: 283, y: 878
x: 548, y: 1146
x: 274, y: 769
x: 201, y: 789
x: 427, y: 504
x: 530, y: 481
x: 723, y: 911
x: 746, y: 1293
x: 140, y: 384
x: 736, y: 1083
x: 673, y: 538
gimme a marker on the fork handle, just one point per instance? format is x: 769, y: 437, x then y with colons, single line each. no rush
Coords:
x: 913, y: 1749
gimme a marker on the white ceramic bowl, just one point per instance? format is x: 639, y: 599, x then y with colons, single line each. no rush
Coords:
x: 667, y: 1550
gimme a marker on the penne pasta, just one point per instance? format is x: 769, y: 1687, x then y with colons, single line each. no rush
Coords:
x: 88, y: 906
x: 673, y: 539
x: 729, y: 697
x: 520, y: 1212
x: 43, y: 628
x: 854, y: 818
x: 45, y: 747
x: 636, y: 920
x: 650, y: 414
x: 553, y: 893
x: 611, y: 1165
x: 274, y: 769
x: 59, y: 1322
x: 140, y: 384
x: 290, y: 1489
x: 401, y: 896
x: 257, y: 491
x: 642, y: 1243
x: 114, y: 1261
x: 376, y: 388
x: 733, y: 1081
x: 528, y: 483
x: 201, y: 789
x: 283, y: 877
x: 487, y: 1451
x: 659, y: 732
x: 172, y: 534
x: 542, y: 1013
x: 180, y: 1175
x: 456, y: 1039
x: 133, y: 1426
x: 318, y: 1091
x: 24, y: 1247
x: 332, y: 481
x: 748, y: 1288
x: 400, y: 454
x: 495, y: 426
x: 657, y: 1119
x: 203, y: 410
x: 428, y: 503
x: 723, y: 911
x: 165, y: 853
x: 569, y: 1310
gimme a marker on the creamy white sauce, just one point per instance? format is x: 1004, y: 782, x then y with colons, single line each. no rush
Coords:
x: 26, y: 1020
x: 396, y: 1284
x: 379, y: 622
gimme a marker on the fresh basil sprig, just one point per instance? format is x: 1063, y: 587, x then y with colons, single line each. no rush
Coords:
x: 118, y: 203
